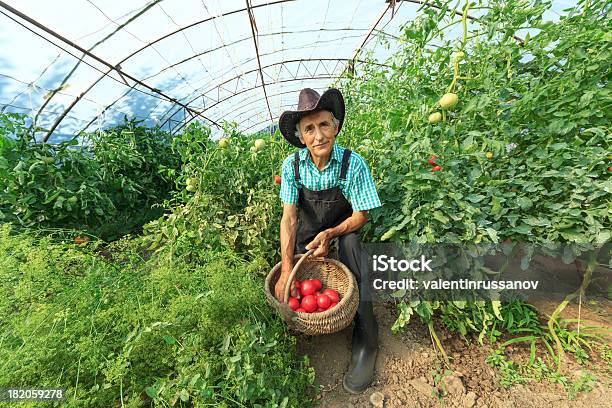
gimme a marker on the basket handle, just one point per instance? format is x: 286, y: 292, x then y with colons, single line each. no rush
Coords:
x: 293, y: 272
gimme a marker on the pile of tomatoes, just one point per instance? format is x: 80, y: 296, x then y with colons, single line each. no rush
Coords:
x: 307, y: 297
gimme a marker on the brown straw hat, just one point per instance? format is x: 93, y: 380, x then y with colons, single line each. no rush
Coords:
x: 310, y: 101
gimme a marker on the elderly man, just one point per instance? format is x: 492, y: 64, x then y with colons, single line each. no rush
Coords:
x: 326, y: 192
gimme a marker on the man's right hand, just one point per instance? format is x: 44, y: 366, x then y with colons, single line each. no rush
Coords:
x: 279, y: 288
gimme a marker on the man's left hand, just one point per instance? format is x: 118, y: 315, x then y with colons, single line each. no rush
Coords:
x: 320, y: 244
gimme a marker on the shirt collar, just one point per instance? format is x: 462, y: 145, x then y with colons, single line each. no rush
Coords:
x: 336, y: 154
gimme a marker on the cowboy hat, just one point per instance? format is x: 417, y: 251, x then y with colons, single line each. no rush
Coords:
x: 309, y: 102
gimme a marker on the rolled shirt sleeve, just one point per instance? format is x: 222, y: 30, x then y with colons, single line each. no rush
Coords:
x: 289, y: 189
x: 361, y: 189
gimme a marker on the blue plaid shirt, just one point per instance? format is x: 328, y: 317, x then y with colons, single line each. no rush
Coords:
x: 358, y: 188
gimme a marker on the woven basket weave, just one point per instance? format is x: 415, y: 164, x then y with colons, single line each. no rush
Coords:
x: 333, y: 274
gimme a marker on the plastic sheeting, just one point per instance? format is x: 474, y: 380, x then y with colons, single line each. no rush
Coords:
x: 194, y: 59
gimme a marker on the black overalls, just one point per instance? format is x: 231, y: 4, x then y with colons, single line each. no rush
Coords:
x: 318, y: 211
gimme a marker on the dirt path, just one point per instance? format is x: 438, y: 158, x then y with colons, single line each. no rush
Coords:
x: 404, y: 373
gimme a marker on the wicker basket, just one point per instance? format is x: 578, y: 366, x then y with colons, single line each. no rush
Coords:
x: 333, y: 274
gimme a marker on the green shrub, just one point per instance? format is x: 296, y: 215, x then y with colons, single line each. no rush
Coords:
x: 131, y: 329
x: 106, y: 187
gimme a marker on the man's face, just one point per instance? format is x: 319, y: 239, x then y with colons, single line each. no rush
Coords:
x: 318, y: 133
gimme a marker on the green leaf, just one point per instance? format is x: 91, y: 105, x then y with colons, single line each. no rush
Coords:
x: 475, y: 198
x: 568, y: 255
x: 518, y: 340
x: 400, y: 293
x: 495, y: 206
x: 524, y: 202
x: 522, y: 229
x: 52, y: 197
x: 536, y: 222
x: 184, y: 395
x: 387, y: 235
x: 151, y: 392
x: 440, y: 217
x: 492, y: 234
x: 496, y: 304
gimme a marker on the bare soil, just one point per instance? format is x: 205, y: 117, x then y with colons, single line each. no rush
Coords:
x: 407, y: 362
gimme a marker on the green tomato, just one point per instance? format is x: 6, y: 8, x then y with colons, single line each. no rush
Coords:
x: 191, y: 187
x: 458, y: 56
x: 448, y: 100
x: 434, y: 117
x: 223, y: 143
x: 259, y: 144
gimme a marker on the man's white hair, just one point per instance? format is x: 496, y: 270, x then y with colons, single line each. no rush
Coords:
x: 298, y: 134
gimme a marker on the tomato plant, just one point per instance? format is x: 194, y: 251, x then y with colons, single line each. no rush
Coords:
x: 524, y: 133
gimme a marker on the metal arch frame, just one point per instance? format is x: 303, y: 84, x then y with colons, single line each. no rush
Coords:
x: 253, y: 29
x: 300, y: 61
x: 175, y: 131
x: 193, y: 113
x: 96, y: 58
x: 329, y: 75
x: 243, y: 112
x: 223, y: 74
x: 118, y: 65
x: 164, y: 116
x: 198, y: 91
x: 261, y: 123
x: 169, y: 111
x: 263, y: 35
x: 314, y: 78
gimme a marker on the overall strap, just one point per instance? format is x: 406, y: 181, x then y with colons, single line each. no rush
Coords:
x: 296, y: 167
x: 345, y: 164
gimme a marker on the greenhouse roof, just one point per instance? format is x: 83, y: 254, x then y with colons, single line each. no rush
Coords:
x: 83, y: 65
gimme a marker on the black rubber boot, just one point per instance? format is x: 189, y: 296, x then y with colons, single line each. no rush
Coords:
x: 360, y: 372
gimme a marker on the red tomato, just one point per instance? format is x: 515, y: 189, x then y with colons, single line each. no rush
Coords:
x: 432, y: 160
x: 301, y: 310
x: 319, y: 310
x: 293, y: 303
x: 332, y: 294
x: 323, y: 301
x: 309, y: 303
x: 298, y: 284
x: 333, y: 304
x: 318, y: 284
x: 277, y: 179
x: 295, y: 292
x: 436, y: 168
x: 308, y: 288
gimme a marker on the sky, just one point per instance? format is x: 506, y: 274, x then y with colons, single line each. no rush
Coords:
x: 211, y: 66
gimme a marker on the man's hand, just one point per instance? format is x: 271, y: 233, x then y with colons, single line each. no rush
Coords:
x: 320, y: 244
x: 279, y: 288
